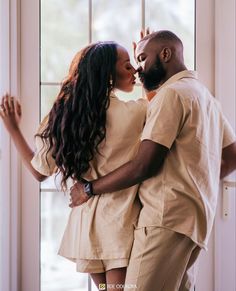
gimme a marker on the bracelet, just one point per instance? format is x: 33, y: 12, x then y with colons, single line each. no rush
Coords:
x: 88, y: 189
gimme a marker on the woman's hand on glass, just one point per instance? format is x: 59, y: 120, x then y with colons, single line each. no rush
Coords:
x: 10, y: 112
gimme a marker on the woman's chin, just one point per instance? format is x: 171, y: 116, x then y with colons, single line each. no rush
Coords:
x: 129, y: 89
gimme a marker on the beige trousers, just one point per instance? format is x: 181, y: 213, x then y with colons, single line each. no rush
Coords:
x: 161, y: 260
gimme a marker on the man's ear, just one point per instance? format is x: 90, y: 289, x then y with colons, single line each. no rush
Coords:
x: 166, y: 54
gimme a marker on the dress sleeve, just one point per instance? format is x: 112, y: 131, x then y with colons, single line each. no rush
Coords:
x: 43, y: 161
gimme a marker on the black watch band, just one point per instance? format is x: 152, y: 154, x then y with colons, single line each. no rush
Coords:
x: 88, y: 189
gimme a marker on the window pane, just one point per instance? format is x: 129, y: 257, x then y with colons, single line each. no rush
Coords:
x: 117, y: 20
x: 135, y: 94
x: 177, y: 16
x: 57, y: 273
x: 48, y: 96
x: 64, y: 31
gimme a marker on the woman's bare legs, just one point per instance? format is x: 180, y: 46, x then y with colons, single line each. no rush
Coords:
x: 99, y: 278
x: 115, y: 279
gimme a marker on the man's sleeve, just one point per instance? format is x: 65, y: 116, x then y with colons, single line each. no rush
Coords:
x: 165, y: 118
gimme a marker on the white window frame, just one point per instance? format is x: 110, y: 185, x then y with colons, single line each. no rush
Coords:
x: 30, y: 94
x: 20, y: 73
x: 10, y: 214
x: 205, y: 59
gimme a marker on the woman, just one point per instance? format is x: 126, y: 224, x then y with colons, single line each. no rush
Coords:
x: 87, y: 133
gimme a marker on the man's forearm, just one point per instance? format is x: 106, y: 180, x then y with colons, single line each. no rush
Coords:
x: 146, y: 164
x: 228, y: 161
x: 227, y: 169
x: 129, y: 174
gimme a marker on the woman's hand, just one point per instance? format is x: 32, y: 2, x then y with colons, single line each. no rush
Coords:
x: 10, y: 112
x: 143, y: 33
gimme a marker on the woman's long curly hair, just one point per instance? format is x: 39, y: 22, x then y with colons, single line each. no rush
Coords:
x: 77, y: 120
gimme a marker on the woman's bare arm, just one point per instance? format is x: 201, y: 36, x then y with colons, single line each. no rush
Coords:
x: 10, y: 112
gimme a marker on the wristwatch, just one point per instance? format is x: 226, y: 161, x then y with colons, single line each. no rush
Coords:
x: 88, y: 189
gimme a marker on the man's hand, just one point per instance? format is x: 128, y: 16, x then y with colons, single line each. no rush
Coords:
x: 10, y: 112
x: 143, y: 33
x: 77, y: 194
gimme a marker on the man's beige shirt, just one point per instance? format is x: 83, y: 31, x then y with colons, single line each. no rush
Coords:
x: 103, y: 227
x: 184, y: 117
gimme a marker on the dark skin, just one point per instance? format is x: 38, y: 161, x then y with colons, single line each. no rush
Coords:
x: 146, y: 164
x: 228, y: 162
x: 151, y: 155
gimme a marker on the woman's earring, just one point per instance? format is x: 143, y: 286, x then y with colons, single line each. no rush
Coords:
x: 111, y: 82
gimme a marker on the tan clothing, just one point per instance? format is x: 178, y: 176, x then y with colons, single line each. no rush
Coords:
x: 185, y: 118
x: 44, y: 165
x: 161, y: 260
x: 99, y: 266
x: 103, y: 227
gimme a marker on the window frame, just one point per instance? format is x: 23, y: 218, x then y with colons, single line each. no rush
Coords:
x: 10, y: 214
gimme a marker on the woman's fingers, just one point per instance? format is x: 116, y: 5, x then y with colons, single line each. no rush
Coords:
x: 2, y: 111
x: 18, y: 108
x: 141, y: 34
x: 144, y: 32
x: 9, y: 104
x: 6, y: 104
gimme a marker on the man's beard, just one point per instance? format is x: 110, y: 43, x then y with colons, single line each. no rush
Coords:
x: 154, y: 76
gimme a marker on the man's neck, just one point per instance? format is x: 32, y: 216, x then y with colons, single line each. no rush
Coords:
x: 173, y: 71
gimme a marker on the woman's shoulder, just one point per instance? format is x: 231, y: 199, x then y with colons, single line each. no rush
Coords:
x: 43, y: 124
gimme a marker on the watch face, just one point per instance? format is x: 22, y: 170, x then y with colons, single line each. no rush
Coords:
x: 88, y: 189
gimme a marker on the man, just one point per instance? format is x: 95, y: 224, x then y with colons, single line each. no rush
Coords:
x: 187, y: 145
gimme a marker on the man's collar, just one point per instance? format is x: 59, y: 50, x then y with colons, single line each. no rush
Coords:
x: 174, y: 78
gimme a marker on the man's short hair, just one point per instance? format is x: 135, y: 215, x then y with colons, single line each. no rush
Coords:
x: 164, y: 36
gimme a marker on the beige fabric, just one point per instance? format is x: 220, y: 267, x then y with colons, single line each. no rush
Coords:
x: 161, y: 260
x: 184, y: 117
x: 102, y: 228
x: 43, y: 163
x: 99, y: 266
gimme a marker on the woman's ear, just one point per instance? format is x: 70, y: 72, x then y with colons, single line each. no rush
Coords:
x: 166, y: 54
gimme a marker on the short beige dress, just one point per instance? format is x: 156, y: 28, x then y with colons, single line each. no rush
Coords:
x: 101, y: 230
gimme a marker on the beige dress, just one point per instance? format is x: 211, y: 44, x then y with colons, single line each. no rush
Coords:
x: 103, y: 227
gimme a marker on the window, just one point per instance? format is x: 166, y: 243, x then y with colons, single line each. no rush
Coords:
x: 66, y: 27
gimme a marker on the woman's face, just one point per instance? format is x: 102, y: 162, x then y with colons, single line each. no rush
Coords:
x: 125, y: 78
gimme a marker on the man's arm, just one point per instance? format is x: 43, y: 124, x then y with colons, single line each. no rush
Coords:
x: 228, y: 162
x: 146, y: 164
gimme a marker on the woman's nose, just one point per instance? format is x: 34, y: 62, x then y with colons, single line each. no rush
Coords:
x: 134, y: 71
x: 139, y: 69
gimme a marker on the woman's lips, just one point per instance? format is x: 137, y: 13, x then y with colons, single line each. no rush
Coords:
x: 133, y: 81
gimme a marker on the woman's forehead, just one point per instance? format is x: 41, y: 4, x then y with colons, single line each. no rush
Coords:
x: 122, y: 53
